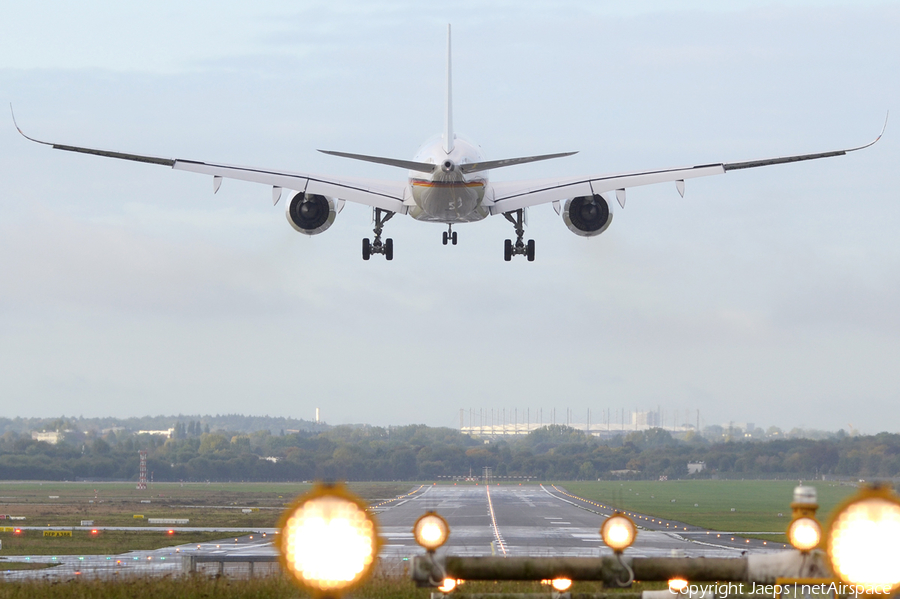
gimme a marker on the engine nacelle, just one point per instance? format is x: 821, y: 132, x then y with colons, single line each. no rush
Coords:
x: 587, y: 215
x: 310, y: 214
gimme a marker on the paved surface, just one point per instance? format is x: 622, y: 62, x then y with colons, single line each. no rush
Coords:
x: 543, y: 520
x: 505, y: 519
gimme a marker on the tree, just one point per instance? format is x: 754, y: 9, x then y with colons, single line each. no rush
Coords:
x: 210, y: 443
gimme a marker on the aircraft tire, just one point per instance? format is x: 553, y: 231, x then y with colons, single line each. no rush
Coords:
x: 507, y: 250
x: 453, y: 239
x: 530, y: 250
x: 389, y: 249
x: 445, y: 238
x: 366, y: 249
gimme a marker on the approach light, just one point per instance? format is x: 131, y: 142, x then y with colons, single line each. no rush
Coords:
x: 678, y: 585
x: 431, y: 531
x: 95, y: 532
x: 618, y: 532
x: 329, y: 541
x: 448, y: 585
x: 862, y: 540
x: 561, y: 584
x: 804, y: 533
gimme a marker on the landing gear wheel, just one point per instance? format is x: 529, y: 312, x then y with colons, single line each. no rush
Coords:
x: 449, y: 235
x: 376, y: 246
x: 520, y: 247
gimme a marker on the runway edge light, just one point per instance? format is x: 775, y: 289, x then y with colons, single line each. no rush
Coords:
x: 328, y: 541
x: 863, y: 542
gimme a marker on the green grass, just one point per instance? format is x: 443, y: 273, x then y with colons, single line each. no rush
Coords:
x: 756, y: 503
x: 7, y: 566
x: 116, y: 504
x: 276, y: 587
x: 112, y: 542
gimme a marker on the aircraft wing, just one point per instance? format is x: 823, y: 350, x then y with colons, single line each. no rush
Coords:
x: 514, y: 195
x: 387, y: 195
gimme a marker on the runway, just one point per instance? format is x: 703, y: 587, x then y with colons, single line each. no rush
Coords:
x: 536, y: 520
x: 504, y: 519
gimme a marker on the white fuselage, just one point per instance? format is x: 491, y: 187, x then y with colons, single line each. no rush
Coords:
x: 448, y: 195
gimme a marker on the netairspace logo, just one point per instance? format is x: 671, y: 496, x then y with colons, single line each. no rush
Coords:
x: 777, y: 591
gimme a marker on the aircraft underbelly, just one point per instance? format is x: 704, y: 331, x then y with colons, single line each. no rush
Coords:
x: 448, y: 203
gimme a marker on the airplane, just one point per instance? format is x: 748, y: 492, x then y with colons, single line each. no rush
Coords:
x: 448, y: 183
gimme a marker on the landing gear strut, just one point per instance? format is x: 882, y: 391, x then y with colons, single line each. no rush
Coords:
x: 520, y: 248
x: 376, y: 246
x: 449, y: 235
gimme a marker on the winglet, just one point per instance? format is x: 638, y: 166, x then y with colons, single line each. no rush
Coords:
x: 874, y: 141
x: 22, y: 133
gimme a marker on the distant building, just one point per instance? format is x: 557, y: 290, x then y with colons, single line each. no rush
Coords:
x: 649, y: 419
x: 696, y: 467
x: 51, y: 438
x: 166, y: 433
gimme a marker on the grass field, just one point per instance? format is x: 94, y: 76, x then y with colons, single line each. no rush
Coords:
x: 708, y: 503
x: 272, y: 588
x: 110, y: 542
x: 116, y: 504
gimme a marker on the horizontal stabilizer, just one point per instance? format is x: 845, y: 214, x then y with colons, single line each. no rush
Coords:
x: 487, y: 165
x: 422, y: 167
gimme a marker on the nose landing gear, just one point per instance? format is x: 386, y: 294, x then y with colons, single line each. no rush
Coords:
x: 449, y: 235
x: 520, y: 247
x: 377, y: 246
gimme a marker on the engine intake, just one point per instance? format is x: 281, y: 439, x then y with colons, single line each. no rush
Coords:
x: 587, y: 215
x: 310, y: 214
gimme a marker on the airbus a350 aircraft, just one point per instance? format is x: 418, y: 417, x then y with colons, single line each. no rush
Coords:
x: 448, y: 183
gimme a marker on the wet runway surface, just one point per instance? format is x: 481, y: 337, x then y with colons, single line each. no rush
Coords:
x: 540, y: 520
x: 513, y: 520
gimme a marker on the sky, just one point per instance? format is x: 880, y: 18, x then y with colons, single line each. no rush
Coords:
x: 766, y: 295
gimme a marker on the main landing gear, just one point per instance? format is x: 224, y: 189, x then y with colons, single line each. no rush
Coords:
x: 520, y: 248
x: 450, y: 235
x: 376, y: 246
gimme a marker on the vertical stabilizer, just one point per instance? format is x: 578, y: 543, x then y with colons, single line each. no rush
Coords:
x: 448, y: 117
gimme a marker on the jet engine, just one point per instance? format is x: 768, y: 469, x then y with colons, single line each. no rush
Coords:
x: 311, y: 214
x: 587, y: 215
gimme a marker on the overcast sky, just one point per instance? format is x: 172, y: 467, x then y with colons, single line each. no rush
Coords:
x: 767, y: 295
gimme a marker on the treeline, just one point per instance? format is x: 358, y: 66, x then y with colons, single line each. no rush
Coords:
x: 227, y: 422
x: 424, y: 453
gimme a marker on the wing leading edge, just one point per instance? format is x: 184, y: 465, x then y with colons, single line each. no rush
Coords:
x: 387, y: 195
x: 514, y: 195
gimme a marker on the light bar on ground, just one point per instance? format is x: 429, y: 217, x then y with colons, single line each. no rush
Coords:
x: 804, y: 533
x: 618, y: 532
x: 328, y: 540
x: 864, y: 540
x: 431, y: 531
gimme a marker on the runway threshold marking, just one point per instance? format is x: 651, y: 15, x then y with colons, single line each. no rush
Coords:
x: 500, y: 541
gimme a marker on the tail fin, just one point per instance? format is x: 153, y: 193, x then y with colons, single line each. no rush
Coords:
x: 448, y: 117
